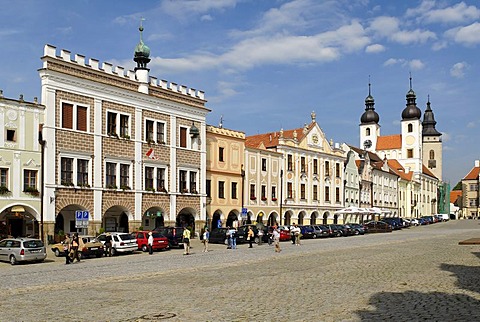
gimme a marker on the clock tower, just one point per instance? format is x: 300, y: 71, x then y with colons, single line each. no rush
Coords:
x: 411, y: 151
x: 369, y: 127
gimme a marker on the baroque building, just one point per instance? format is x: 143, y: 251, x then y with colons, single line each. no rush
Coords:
x: 20, y: 167
x: 122, y: 148
x: 470, y: 195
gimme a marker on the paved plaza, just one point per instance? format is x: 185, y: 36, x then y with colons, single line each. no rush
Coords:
x: 417, y: 274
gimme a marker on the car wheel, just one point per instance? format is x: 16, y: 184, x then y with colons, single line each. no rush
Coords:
x: 99, y: 255
x: 144, y: 248
x: 114, y: 251
x: 13, y: 260
x: 257, y: 240
x: 57, y: 252
x: 314, y: 236
x: 339, y: 234
x: 357, y: 232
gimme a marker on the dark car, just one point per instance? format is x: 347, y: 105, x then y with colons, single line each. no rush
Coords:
x: 396, y: 223
x: 307, y: 231
x: 320, y: 231
x: 242, y: 232
x: 345, y: 230
x: 219, y: 236
x: 174, y: 235
x: 378, y: 227
x: 357, y: 229
x: 333, y: 231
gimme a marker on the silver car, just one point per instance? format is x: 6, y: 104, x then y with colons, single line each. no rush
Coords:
x: 16, y: 250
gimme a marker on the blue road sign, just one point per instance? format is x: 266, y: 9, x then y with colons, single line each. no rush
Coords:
x: 244, y: 211
x: 85, y: 215
x: 79, y: 215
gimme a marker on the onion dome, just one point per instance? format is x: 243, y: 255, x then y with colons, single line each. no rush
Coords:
x: 194, y: 131
x: 429, y: 122
x: 142, y: 52
x: 411, y: 111
x: 369, y: 116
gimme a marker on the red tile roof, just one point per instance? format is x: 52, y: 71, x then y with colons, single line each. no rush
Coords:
x: 389, y: 142
x: 473, y: 174
x: 270, y: 139
x: 428, y: 172
x: 454, y: 194
x: 400, y: 170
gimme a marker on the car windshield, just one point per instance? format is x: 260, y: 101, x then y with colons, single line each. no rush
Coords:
x: 33, y: 243
x: 126, y: 237
x: 157, y: 235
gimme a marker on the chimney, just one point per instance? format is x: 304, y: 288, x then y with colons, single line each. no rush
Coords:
x: 477, y: 163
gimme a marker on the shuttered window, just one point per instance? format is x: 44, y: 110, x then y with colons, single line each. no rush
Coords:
x: 82, y: 118
x: 183, y: 137
x: 67, y: 116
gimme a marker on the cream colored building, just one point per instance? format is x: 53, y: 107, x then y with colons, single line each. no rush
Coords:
x: 224, y: 180
x: 470, y: 192
x: 124, y: 149
x: 20, y: 167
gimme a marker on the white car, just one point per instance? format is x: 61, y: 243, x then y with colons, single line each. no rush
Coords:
x: 121, y: 242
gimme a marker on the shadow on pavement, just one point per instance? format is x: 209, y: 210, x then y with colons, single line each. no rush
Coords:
x: 432, y: 306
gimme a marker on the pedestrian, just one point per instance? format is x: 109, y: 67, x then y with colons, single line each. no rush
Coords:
x: 292, y: 233
x: 150, y: 243
x: 298, y: 234
x: 276, y: 239
x: 206, y: 237
x: 108, y: 245
x: 186, y: 241
x: 250, y: 236
x: 75, y: 247
x: 270, y: 236
x: 233, y: 238
x: 67, y: 243
x: 260, y: 236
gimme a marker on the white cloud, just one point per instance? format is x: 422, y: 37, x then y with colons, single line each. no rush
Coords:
x: 182, y: 9
x: 414, y: 64
x: 412, y: 36
x: 468, y: 35
x: 471, y: 125
x: 389, y: 27
x: 423, y: 8
x: 393, y: 61
x: 446, y: 136
x: 458, y: 13
x: 206, y: 18
x: 458, y: 69
x: 384, y: 26
x: 375, y: 48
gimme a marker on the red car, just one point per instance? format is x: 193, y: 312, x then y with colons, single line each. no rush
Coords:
x: 284, y: 232
x: 159, y: 241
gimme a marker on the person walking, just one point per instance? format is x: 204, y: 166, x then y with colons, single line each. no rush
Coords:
x: 298, y: 234
x: 150, y: 243
x: 260, y: 236
x: 233, y: 237
x: 75, y: 247
x: 186, y: 241
x: 108, y: 245
x: 250, y: 236
x: 276, y: 240
x: 67, y: 243
x: 292, y: 233
x: 206, y: 237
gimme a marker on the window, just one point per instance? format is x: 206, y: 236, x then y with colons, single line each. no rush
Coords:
x: 111, y: 123
x: 302, y: 165
x: 315, y: 166
x: 409, y: 153
x: 274, y: 193
x: 264, y: 192
x: 29, y: 180
x: 124, y: 176
x: 337, y: 194
x: 472, y: 202
x: 73, y: 114
x: 82, y: 172
x: 183, y: 137
x: 315, y: 192
x: 432, y: 154
x: 221, y: 189
x: 252, y: 192
x: 264, y: 164
x: 410, y: 128
x: 327, y: 168
x: 234, y: 190
x: 302, y: 191
x: 220, y: 154
x: 473, y: 187
x: 66, y: 171
x: 193, y: 182
x: 160, y: 132
x: 367, y: 132
x: 289, y: 162
x: 327, y: 193
x: 182, y: 183
x: 161, y: 180
x: 149, y: 178
x: 289, y: 190
x: 111, y: 175
x: 3, y: 177
x: 149, y: 131
x: 124, y: 133
x: 337, y: 170
x: 11, y: 136
x: 208, y: 188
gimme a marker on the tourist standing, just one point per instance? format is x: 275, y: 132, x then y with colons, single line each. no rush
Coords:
x: 75, y: 246
x: 250, y: 236
x: 150, y: 243
x: 186, y: 241
x: 67, y: 243
x: 276, y: 239
x: 292, y: 233
x: 108, y: 245
x: 298, y: 233
x: 206, y: 237
x: 260, y: 235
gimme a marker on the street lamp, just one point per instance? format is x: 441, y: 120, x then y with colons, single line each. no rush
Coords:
x: 281, y: 195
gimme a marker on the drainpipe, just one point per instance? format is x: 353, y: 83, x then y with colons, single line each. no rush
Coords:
x: 42, y: 143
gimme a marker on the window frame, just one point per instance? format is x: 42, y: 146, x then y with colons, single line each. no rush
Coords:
x: 75, y: 125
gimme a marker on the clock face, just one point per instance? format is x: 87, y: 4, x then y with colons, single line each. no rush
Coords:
x: 367, y: 144
x: 315, y: 138
x: 410, y: 140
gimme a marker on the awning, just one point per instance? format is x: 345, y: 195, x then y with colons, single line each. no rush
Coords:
x: 17, y: 209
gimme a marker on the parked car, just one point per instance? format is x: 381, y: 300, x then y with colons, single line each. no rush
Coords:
x: 333, y: 231
x: 320, y: 231
x: 345, y: 230
x: 284, y: 233
x: 121, y: 242
x: 357, y: 229
x: 16, y: 250
x: 159, y: 241
x: 219, y: 236
x: 90, y: 247
x: 396, y: 223
x: 378, y: 227
x: 242, y: 233
x: 307, y: 231
x: 174, y: 235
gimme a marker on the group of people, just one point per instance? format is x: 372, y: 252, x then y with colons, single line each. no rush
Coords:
x: 186, y: 240
x: 71, y: 246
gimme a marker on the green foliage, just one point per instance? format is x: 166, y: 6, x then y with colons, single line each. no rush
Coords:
x: 458, y: 186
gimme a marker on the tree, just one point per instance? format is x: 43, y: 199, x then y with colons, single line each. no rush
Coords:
x: 458, y: 186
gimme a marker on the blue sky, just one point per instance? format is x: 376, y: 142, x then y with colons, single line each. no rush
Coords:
x: 267, y: 64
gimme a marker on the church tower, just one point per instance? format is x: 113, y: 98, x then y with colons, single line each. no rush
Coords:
x: 141, y: 57
x: 432, y: 143
x: 411, y: 154
x: 369, y: 127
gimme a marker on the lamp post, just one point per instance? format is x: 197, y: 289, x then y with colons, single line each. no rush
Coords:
x: 42, y: 143
x: 243, y: 190
x: 281, y: 195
